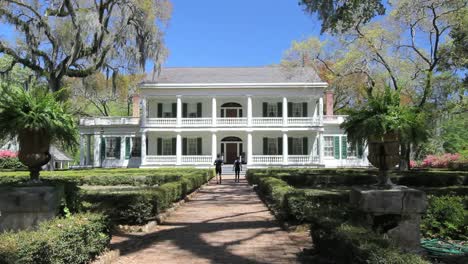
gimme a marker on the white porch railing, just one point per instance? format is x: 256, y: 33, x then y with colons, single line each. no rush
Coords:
x: 334, y: 119
x: 267, y: 121
x: 160, y: 159
x: 197, y: 122
x: 109, y: 121
x: 162, y: 122
x: 303, y: 159
x: 195, y: 159
x: 227, y: 121
x: 304, y: 121
x: 267, y: 159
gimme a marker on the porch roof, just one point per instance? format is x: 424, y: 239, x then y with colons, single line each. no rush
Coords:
x: 234, y: 75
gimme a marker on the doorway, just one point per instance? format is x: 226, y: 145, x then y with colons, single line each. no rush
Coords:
x: 231, y: 148
x: 231, y: 110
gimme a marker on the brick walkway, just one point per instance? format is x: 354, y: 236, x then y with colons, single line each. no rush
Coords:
x: 224, y: 223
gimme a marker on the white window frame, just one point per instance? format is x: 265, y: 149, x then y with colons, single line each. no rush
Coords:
x: 166, y: 146
x: 297, y: 146
x: 192, y: 146
x: 272, y: 146
x: 272, y: 110
x: 111, y: 145
x: 296, y: 110
x: 351, y: 151
x: 328, y: 146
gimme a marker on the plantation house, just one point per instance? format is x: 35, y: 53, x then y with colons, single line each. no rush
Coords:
x: 268, y: 116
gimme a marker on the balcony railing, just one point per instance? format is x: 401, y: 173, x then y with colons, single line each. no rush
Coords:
x: 109, y: 121
x: 161, y: 159
x: 228, y: 121
x: 233, y: 122
x: 197, y: 159
x: 303, y: 159
x: 304, y: 121
x: 267, y: 121
x: 161, y: 122
x: 197, y: 122
x: 334, y: 119
x: 267, y: 159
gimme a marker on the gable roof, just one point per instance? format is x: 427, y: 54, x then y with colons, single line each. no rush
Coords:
x: 267, y: 74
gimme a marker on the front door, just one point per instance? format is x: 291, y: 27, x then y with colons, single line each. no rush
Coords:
x: 231, y: 152
x: 231, y: 112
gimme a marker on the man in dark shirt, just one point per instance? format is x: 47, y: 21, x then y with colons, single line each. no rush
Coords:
x: 237, y: 168
x: 218, y: 168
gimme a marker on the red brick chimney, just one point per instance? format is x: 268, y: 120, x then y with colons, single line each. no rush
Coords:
x: 136, y: 105
x: 329, y: 102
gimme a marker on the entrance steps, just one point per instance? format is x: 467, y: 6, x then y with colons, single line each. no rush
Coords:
x: 228, y: 169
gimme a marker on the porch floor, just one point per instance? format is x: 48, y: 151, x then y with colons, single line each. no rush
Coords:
x: 223, y: 223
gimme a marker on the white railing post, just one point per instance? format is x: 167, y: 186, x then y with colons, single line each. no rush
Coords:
x: 214, y: 144
x: 249, y: 110
x: 249, y: 148
x: 321, y: 147
x: 143, y: 148
x: 285, y: 111
x: 179, y: 111
x: 285, y: 148
x: 213, y: 111
x: 144, y: 111
x: 178, y: 149
x: 82, y: 150
x: 97, y: 150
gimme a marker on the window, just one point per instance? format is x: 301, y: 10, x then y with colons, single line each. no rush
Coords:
x: 192, y: 146
x: 112, y: 147
x: 167, y: 146
x: 328, y: 149
x: 272, y: 110
x: 296, y: 110
x: 296, y: 147
x: 352, y: 150
x: 136, y: 147
x: 272, y: 146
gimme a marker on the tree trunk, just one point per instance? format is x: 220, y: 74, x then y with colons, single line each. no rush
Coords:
x: 405, y: 151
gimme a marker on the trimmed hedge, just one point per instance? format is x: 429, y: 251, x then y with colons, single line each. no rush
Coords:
x: 74, y: 240
x: 141, y: 204
x: 349, y: 177
x: 13, y: 163
x: 328, y: 213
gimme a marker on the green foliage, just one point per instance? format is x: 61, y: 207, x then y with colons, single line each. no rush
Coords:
x: 454, y: 136
x: 74, y: 240
x: 35, y: 110
x: 446, y: 218
x: 11, y: 164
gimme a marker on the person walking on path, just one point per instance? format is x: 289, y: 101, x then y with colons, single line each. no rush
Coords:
x: 237, y: 168
x: 218, y: 168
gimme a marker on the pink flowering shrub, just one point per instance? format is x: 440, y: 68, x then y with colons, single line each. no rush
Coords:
x: 8, y: 154
x: 414, y: 164
x: 442, y: 161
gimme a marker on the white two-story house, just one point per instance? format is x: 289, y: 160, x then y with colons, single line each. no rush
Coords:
x: 267, y: 116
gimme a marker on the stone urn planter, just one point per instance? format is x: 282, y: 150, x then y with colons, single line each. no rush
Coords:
x: 34, y: 150
x: 384, y: 154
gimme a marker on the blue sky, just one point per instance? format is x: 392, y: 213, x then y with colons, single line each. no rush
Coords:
x: 235, y: 33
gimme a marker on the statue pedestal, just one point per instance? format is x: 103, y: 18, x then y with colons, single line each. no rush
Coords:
x: 25, y: 207
x: 395, y: 212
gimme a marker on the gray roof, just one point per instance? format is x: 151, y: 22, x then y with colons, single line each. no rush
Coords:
x: 267, y: 74
x: 58, y: 154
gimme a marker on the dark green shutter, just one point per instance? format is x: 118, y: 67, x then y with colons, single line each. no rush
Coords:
x: 222, y: 112
x: 265, y: 109
x: 127, y: 147
x: 265, y: 146
x: 280, y: 109
x: 280, y: 146
x: 160, y: 110
x: 117, y: 148
x: 344, y: 147
x: 360, y: 150
x: 290, y: 146
x: 103, y: 148
x: 147, y: 145
x: 222, y: 149
x: 159, y: 147
x: 240, y: 112
x: 305, y: 146
x: 199, y: 146
x: 336, y: 147
x: 174, y: 146
x: 290, y: 106
x: 199, y: 109
x: 184, y: 110
x: 174, y: 109
x: 304, y: 109
x: 184, y: 146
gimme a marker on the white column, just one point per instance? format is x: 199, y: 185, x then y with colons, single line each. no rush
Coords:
x: 213, y: 111
x: 320, y: 113
x: 179, y: 111
x: 249, y: 110
x: 285, y: 111
x: 178, y: 149
x: 144, y: 111
x: 249, y: 149
x: 122, y: 148
x: 82, y: 150
x: 88, y: 151
x: 214, y: 145
x: 97, y: 150
x: 143, y: 148
x: 285, y: 148
x: 321, y: 147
